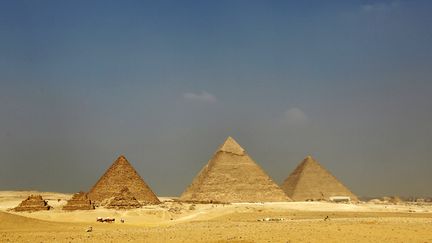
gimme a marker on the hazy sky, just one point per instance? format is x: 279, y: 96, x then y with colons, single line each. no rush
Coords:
x: 165, y: 82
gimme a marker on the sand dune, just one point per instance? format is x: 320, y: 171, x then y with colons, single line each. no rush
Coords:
x: 183, y: 222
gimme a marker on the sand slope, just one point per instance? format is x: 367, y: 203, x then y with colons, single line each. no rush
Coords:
x: 181, y: 222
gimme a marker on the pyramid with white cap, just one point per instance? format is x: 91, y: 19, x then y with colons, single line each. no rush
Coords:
x: 311, y: 181
x: 232, y: 176
x: 121, y: 174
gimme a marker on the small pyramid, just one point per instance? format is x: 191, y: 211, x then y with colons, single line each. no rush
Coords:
x: 124, y: 200
x: 232, y: 176
x: 33, y: 203
x: 79, y: 201
x: 311, y: 181
x: 122, y: 174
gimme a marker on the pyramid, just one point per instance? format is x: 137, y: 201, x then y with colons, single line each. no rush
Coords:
x: 232, y: 176
x: 124, y: 200
x: 311, y: 181
x: 79, y: 201
x: 122, y: 174
x: 33, y: 203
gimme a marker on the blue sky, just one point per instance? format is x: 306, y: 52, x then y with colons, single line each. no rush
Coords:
x: 165, y: 82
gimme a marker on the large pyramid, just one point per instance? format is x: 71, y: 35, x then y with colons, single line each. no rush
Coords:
x: 121, y: 174
x: 232, y: 176
x: 311, y: 181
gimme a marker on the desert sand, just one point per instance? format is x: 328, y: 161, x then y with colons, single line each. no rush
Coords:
x: 173, y: 221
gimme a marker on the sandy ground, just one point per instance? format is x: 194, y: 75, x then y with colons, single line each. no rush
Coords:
x: 182, y: 222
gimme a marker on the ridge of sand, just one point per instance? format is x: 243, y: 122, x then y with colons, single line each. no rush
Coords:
x: 175, y: 221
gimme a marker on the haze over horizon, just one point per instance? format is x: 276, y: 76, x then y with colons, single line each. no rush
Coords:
x: 165, y: 83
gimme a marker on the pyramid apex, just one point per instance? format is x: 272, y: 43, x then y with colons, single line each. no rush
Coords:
x: 121, y: 158
x: 231, y: 146
x: 309, y: 158
x: 308, y: 161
